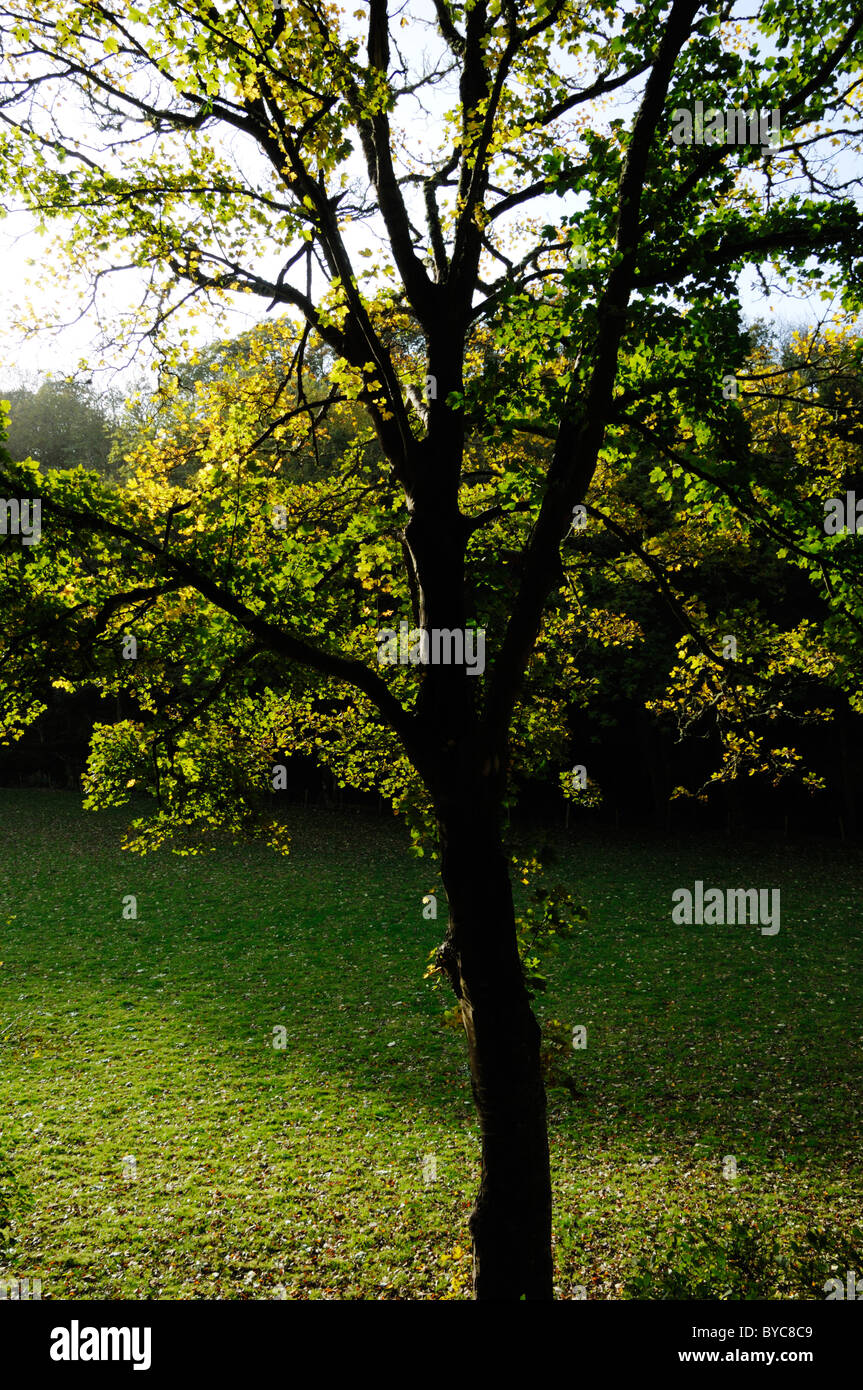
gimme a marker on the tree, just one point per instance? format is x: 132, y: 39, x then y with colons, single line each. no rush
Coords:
x: 63, y: 424
x: 249, y: 365
x: 209, y: 138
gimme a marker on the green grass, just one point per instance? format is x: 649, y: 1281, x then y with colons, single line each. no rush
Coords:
x: 298, y: 1172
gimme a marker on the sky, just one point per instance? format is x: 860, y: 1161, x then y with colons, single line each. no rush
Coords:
x: 32, y: 268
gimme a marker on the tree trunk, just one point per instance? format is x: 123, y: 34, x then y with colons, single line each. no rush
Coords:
x: 510, y: 1222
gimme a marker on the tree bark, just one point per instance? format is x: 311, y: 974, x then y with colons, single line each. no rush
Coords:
x: 510, y: 1222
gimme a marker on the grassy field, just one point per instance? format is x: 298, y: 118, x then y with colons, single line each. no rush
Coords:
x: 155, y: 1144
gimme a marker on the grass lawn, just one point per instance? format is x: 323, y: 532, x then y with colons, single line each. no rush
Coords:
x: 155, y: 1144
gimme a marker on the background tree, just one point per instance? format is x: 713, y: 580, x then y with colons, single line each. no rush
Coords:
x: 612, y: 316
x: 259, y: 364
x: 63, y: 424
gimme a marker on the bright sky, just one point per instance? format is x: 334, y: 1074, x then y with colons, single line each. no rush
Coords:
x: 33, y: 270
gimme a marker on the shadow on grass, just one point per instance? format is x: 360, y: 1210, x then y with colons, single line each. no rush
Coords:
x: 715, y: 1038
